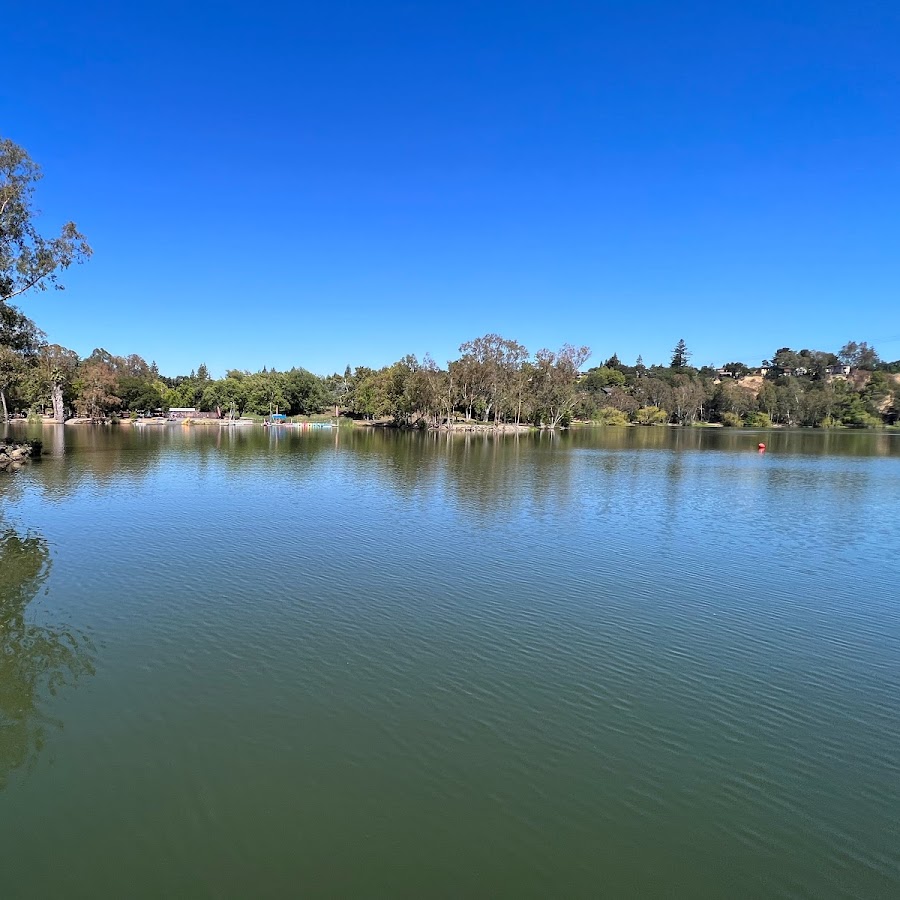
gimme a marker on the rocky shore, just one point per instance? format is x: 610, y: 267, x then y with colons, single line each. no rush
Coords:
x: 16, y: 453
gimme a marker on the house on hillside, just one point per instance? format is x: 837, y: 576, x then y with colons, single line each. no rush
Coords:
x: 837, y: 369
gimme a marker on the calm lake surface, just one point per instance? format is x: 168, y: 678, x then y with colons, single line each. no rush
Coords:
x: 617, y: 662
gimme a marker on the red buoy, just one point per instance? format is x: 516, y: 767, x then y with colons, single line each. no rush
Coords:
x: 762, y: 448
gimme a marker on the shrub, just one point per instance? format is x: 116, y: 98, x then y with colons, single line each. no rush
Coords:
x: 651, y: 415
x: 732, y: 420
x: 758, y: 420
x: 862, y: 420
x: 610, y: 416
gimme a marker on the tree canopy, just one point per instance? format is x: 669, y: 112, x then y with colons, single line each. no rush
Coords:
x: 680, y: 355
x: 28, y: 260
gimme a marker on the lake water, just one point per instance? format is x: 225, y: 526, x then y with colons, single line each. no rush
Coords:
x: 614, y: 662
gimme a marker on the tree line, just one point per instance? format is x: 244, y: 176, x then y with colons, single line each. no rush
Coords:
x: 852, y: 387
x: 495, y: 380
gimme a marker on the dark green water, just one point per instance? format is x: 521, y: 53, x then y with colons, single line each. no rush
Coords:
x: 624, y: 662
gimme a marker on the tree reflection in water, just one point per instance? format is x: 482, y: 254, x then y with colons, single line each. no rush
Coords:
x: 36, y: 661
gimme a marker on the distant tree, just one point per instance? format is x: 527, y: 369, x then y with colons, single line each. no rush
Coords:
x: 847, y: 353
x: 651, y: 415
x: 13, y: 367
x: 611, y: 416
x: 304, y: 392
x: 653, y: 391
x: 337, y: 388
x: 56, y: 368
x: 758, y: 420
x: 27, y: 259
x: 816, y: 362
x: 139, y: 394
x: 601, y: 378
x: 877, y: 391
x: 489, y: 368
x: 265, y: 392
x: 688, y: 397
x: 680, y: 355
x: 859, y: 356
x: 613, y: 362
x: 97, y: 382
x: 555, y: 385
x: 730, y: 397
x: 20, y: 341
x: 786, y: 360
x: 639, y: 367
x: 851, y: 409
x: 18, y: 332
x: 736, y: 369
x: 228, y: 394
x: 368, y: 396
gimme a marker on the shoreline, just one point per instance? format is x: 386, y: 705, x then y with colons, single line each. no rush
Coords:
x: 14, y: 454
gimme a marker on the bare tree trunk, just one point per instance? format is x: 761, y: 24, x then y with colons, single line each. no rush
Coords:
x: 3, y: 404
x: 56, y: 398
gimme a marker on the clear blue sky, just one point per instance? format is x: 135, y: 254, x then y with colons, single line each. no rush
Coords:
x: 345, y: 182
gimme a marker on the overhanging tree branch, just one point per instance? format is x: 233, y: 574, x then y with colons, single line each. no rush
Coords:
x: 29, y: 261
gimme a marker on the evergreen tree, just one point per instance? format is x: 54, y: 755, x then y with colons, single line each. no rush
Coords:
x: 680, y: 355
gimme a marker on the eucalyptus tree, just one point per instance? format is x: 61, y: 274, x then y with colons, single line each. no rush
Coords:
x: 555, y: 382
x: 435, y: 391
x: 858, y: 355
x: 491, y: 363
x: 464, y: 375
x: 688, y: 397
x: 652, y: 391
x: 28, y: 260
x: 57, y: 367
x: 730, y: 397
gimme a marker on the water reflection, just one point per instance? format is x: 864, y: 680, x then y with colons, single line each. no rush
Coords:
x: 484, y: 477
x: 36, y: 660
